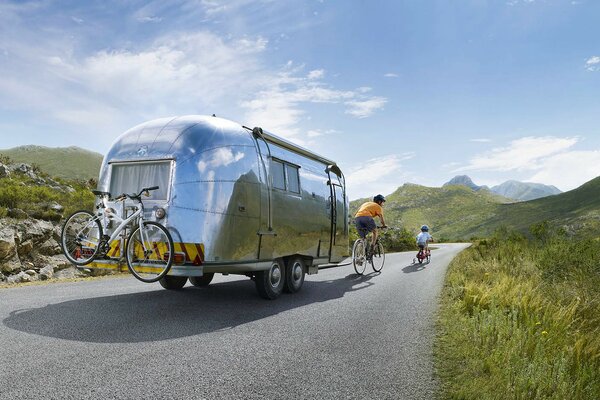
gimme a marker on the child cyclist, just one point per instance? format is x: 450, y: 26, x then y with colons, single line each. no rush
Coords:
x: 423, y: 240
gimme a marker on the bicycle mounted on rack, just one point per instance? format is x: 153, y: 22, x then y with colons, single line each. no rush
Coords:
x: 149, y: 249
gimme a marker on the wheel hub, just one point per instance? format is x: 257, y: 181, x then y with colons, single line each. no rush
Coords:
x: 275, y: 275
x: 297, y: 273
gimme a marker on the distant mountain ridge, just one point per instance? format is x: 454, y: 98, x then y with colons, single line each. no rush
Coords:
x: 63, y: 162
x: 524, y: 190
x: 459, y: 212
x: 465, y: 181
x: 511, y: 189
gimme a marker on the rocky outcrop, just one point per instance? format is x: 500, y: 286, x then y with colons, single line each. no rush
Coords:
x: 30, y: 251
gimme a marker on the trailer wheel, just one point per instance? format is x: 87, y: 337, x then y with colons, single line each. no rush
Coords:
x: 294, y: 275
x: 202, y: 281
x: 270, y: 283
x: 173, y: 282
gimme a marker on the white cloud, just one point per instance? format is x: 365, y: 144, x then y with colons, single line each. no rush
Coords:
x: 278, y: 107
x: 549, y: 160
x: 390, y: 75
x: 480, y: 140
x: 568, y: 170
x: 365, y: 108
x: 316, y: 74
x: 313, y: 133
x: 378, y: 175
x: 53, y: 76
x: 521, y: 154
x: 149, y: 19
x: 593, y: 63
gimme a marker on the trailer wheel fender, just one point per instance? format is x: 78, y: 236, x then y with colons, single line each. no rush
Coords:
x: 295, y: 270
x: 270, y: 282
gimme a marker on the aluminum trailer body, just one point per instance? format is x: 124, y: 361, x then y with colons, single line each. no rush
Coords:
x: 234, y: 199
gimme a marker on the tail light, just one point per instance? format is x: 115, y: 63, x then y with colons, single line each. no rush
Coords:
x: 178, y: 258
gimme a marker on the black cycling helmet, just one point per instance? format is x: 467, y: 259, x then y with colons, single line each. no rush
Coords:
x: 378, y: 198
x: 425, y: 228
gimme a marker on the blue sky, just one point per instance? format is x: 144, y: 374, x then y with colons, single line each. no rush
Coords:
x: 394, y: 91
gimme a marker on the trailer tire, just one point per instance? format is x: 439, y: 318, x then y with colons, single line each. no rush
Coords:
x: 202, y: 281
x: 294, y: 275
x: 170, y: 282
x: 269, y: 283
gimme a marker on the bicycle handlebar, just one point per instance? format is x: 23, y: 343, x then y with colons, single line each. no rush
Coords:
x: 124, y: 196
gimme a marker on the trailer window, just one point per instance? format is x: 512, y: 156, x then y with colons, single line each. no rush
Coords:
x: 131, y: 178
x: 285, y: 176
x: 278, y: 175
x: 293, y: 182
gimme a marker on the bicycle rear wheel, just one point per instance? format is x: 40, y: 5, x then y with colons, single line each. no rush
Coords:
x: 359, y: 259
x: 80, y: 238
x: 378, y: 257
x: 149, y: 252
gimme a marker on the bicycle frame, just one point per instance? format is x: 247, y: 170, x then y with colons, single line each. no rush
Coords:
x: 123, y: 223
x: 109, y: 213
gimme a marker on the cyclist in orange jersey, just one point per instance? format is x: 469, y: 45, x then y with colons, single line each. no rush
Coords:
x: 364, y: 218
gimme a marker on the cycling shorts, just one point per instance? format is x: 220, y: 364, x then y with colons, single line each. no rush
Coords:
x: 364, y: 225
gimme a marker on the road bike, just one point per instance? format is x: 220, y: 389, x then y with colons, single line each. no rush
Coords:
x: 422, y: 255
x: 149, y: 249
x: 364, y: 252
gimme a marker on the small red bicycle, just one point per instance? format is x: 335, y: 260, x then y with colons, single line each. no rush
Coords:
x: 422, y: 255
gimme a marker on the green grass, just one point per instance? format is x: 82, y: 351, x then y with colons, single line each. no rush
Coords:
x: 63, y: 162
x: 520, y: 319
x: 20, y: 192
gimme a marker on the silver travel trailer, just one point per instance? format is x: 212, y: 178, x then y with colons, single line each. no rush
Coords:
x: 235, y: 200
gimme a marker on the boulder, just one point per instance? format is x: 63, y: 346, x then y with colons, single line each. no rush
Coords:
x: 4, y: 171
x: 46, y: 272
x: 8, y: 248
x: 18, y: 278
x: 69, y: 273
x: 49, y: 248
x: 38, y: 231
x: 54, y: 206
x: 24, y: 249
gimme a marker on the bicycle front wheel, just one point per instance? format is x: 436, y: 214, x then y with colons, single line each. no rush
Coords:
x: 80, y: 238
x: 378, y: 258
x: 359, y: 259
x: 149, y: 252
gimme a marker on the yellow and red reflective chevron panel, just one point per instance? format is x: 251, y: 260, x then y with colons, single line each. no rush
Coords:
x: 194, y: 252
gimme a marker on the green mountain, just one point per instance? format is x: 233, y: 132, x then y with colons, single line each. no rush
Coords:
x: 63, y: 162
x: 457, y: 212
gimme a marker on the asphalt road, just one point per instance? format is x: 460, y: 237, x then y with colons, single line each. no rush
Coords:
x: 342, y: 336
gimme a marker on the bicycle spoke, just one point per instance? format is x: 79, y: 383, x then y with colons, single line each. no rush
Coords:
x: 80, y: 238
x: 359, y: 258
x: 378, y: 257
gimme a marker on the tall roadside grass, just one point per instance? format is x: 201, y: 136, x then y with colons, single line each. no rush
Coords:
x: 520, y: 319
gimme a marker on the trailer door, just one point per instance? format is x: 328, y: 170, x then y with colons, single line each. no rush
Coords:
x: 339, y: 220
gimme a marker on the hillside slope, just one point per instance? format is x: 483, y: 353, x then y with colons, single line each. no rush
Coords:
x: 63, y: 162
x: 447, y: 210
x: 577, y: 210
x: 457, y: 212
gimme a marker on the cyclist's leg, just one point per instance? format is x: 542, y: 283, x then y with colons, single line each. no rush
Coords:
x: 374, y: 238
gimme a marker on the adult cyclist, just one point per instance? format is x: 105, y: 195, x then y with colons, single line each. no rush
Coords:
x: 364, y: 217
x: 423, y: 239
